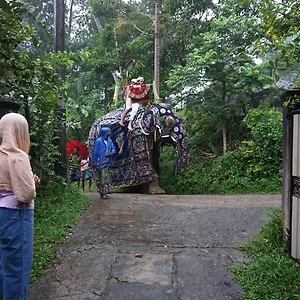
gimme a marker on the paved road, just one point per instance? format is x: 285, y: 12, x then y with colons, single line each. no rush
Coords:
x: 140, y: 247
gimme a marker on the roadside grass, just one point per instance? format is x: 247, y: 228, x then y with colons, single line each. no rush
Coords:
x: 56, y: 211
x: 225, y: 175
x: 272, y: 274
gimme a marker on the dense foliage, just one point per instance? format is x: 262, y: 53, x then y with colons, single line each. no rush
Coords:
x: 30, y: 79
x: 254, y: 167
x: 221, y: 66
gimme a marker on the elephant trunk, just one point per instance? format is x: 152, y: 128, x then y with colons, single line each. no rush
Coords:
x: 182, y: 149
x: 182, y: 158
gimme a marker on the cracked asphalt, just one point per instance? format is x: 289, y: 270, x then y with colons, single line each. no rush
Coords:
x: 142, y: 247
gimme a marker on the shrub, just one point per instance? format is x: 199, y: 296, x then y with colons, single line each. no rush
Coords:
x: 255, y: 167
x: 265, y: 147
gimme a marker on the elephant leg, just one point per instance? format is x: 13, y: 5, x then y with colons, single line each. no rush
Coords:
x: 155, y: 157
x: 154, y: 188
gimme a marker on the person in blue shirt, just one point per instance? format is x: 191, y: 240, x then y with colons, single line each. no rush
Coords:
x: 101, y: 161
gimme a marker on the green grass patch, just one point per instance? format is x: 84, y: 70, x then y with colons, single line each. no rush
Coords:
x: 272, y: 274
x: 56, y: 211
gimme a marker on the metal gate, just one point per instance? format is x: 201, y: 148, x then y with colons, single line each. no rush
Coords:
x: 291, y: 170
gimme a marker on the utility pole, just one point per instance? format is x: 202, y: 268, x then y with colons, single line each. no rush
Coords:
x: 156, y: 50
x: 59, y: 46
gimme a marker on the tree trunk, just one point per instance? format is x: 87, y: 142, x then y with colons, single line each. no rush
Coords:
x: 98, y: 23
x: 70, y: 19
x: 224, y: 133
x: 117, y: 86
x: 26, y: 110
x: 157, y: 53
x: 59, y: 46
x: 224, y: 126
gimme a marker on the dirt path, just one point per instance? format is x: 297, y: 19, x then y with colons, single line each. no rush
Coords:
x: 140, y: 247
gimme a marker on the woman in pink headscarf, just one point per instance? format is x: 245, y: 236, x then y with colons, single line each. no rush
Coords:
x: 17, y: 191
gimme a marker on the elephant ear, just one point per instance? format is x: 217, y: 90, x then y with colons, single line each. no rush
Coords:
x: 147, y: 122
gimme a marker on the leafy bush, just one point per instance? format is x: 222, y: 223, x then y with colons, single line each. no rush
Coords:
x: 265, y: 148
x: 191, y: 182
x: 271, y: 274
x: 255, y: 167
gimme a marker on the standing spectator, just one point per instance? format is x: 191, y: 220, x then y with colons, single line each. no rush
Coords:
x: 17, y: 191
x: 74, y: 166
x: 86, y: 173
x: 102, y: 156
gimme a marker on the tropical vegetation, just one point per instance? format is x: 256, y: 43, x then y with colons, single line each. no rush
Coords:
x: 223, y: 66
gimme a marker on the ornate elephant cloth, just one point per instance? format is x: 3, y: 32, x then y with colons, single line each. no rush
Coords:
x: 132, y: 164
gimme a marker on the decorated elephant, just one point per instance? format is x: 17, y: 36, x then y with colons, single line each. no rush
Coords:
x: 137, y: 151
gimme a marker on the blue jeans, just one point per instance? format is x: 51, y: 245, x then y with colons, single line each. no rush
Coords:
x: 16, y: 252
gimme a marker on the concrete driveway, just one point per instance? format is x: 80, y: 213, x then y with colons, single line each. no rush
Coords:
x: 142, y: 247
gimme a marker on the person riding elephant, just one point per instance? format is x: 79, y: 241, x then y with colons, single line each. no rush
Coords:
x: 136, y: 94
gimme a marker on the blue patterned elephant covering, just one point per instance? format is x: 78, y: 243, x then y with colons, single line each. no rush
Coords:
x: 132, y: 164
